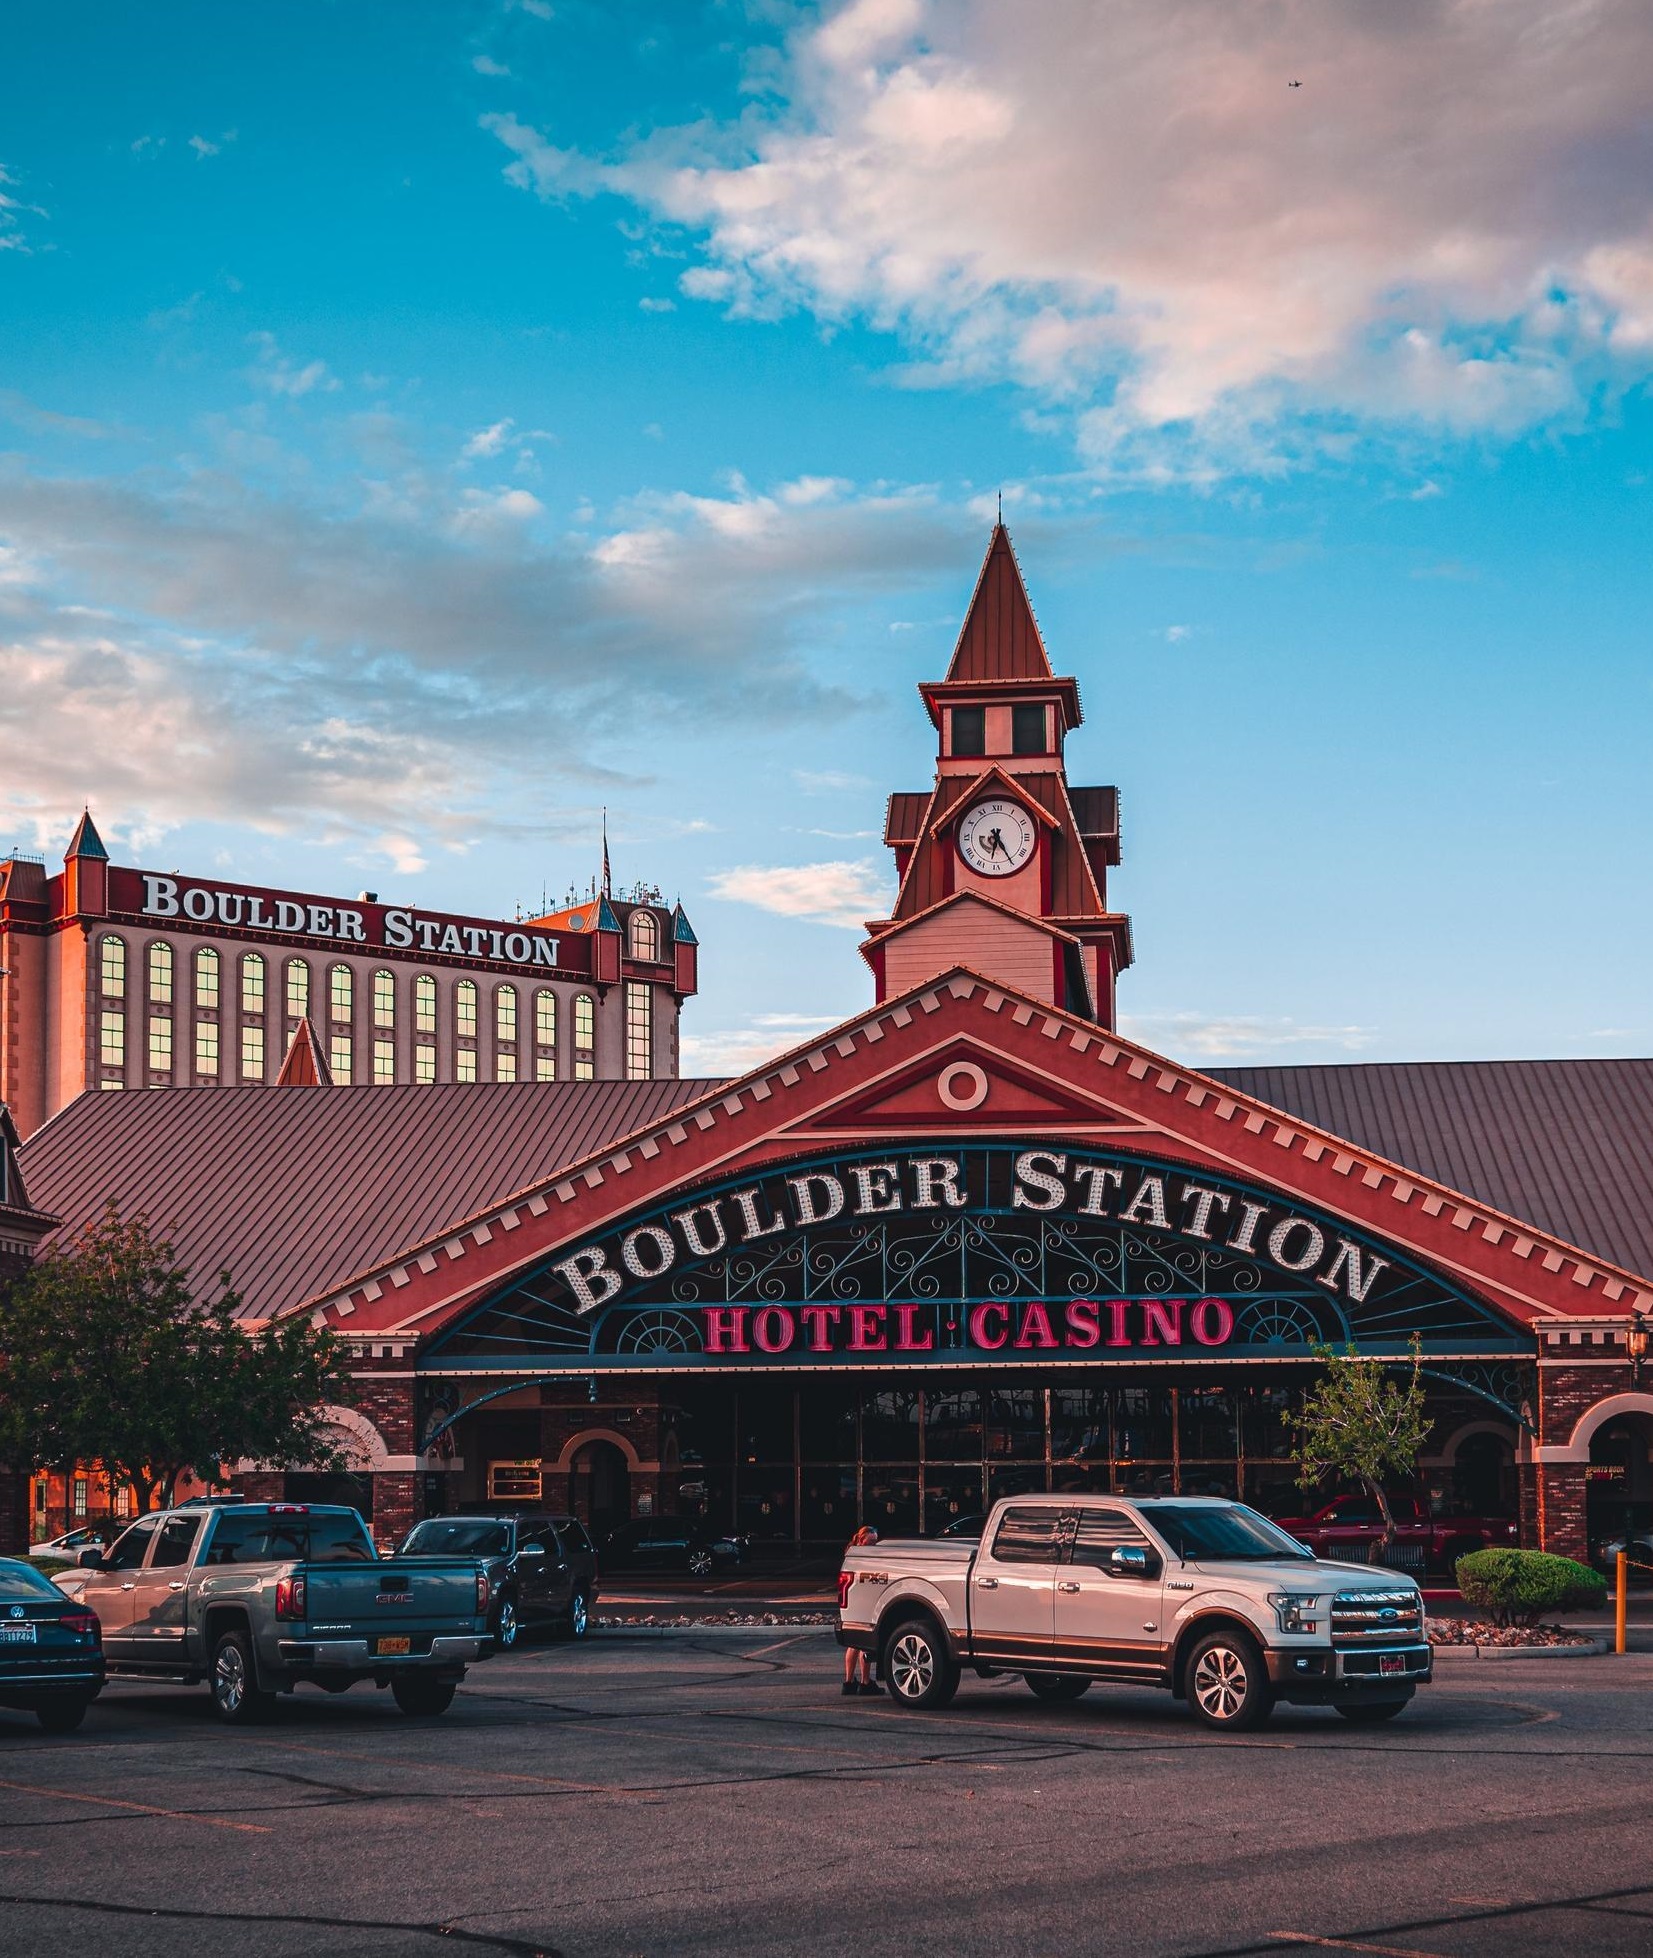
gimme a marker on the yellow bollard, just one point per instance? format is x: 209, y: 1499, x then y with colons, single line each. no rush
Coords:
x: 1622, y: 1601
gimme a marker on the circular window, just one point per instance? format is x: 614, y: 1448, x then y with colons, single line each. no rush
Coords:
x: 962, y: 1086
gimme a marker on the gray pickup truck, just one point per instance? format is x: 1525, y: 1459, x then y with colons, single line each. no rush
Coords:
x: 256, y: 1598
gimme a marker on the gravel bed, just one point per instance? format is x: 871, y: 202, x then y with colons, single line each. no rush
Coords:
x: 683, y: 1621
x: 1480, y: 1631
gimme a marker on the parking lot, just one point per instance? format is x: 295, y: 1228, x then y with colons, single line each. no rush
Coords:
x: 712, y: 1791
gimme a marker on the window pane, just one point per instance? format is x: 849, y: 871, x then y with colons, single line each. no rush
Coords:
x: 891, y: 1501
x: 585, y: 1037
x: 175, y: 1541
x: 950, y: 1493
x: 424, y: 1004
x: 206, y: 1047
x: 298, y: 989
x: 384, y: 1062
x: 424, y: 1063
x: 112, y: 1037
x: 465, y: 1064
x: 889, y: 1425
x: 1027, y: 1535
x: 252, y: 1053
x: 639, y: 1030
x: 464, y: 1008
x: 645, y: 935
x: 1141, y: 1424
x: 206, y: 976
x: 252, y: 983
x: 505, y: 1013
x: 828, y: 1411
x: 160, y: 973
x: 1206, y: 1423
x: 1100, y: 1533
x: 384, y: 999
x: 339, y: 1056
x: 160, y: 1046
x: 1079, y: 1425
x: 952, y: 1425
x: 969, y: 730
x: 505, y: 1067
x: 112, y: 959
x: 545, y: 1019
x: 545, y: 1067
x: 1016, y: 1424
x: 341, y: 991
x: 1027, y: 730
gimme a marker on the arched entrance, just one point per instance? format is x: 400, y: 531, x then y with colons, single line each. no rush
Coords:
x: 1619, y: 1480
x: 599, y: 1487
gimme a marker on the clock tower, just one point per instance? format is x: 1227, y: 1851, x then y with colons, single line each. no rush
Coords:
x: 1003, y: 864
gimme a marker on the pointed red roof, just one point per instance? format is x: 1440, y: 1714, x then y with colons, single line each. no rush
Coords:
x: 1000, y: 640
x: 305, y: 1065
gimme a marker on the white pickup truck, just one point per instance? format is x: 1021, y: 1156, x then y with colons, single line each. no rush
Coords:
x: 1200, y: 1596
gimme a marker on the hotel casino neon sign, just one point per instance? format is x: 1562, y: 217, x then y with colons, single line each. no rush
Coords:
x: 992, y: 1253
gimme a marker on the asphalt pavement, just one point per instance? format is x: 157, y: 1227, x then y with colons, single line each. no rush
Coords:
x: 711, y: 1791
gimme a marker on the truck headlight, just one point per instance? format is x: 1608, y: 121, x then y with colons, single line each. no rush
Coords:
x: 1295, y: 1610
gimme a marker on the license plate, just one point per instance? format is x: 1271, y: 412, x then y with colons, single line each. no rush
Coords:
x: 19, y: 1635
x: 1391, y: 1662
x: 390, y: 1648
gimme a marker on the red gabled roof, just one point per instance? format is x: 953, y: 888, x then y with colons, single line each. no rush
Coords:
x: 1000, y: 639
x: 305, y: 1065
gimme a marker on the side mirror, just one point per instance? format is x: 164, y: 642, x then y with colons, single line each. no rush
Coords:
x: 531, y: 1550
x: 90, y: 1560
x: 1129, y: 1560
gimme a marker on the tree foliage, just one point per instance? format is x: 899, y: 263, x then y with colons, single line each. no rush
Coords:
x: 108, y: 1354
x: 1360, y: 1423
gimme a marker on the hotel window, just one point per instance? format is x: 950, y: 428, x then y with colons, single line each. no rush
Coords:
x: 505, y: 1014
x: 338, y: 1057
x: 123, y: 1502
x: 464, y: 1009
x: 545, y: 1036
x: 639, y: 1030
x: 206, y: 1046
x: 77, y: 1499
x: 505, y: 1066
x: 424, y: 1004
x: 424, y: 1063
x: 206, y: 977
x: 112, y: 965
x: 340, y: 992
x: 585, y: 1037
x: 160, y: 1046
x: 384, y: 999
x: 112, y: 1037
x: 160, y: 972
x: 1027, y: 730
x: 384, y: 1062
x: 252, y: 1053
x: 645, y: 935
x: 464, y: 1064
x: 969, y: 730
x: 298, y: 989
x: 252, y: 983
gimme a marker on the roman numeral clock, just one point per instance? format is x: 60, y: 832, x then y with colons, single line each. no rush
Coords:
x: 996, y: 836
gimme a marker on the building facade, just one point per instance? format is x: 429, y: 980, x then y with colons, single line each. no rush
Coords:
x: 971, y: 1241
x: 122, y: 978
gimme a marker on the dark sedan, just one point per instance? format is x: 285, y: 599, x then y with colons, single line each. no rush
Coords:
x: 51, y: 1649
x: 670, y: 1543
x: 542, y: 1570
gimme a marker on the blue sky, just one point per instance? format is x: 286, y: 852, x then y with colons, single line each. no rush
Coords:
x: 422, y: 426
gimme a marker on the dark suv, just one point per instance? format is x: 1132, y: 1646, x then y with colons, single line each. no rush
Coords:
x: 542, y: 1569
x: 670, y: 1543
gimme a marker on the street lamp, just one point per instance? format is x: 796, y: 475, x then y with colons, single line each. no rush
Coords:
x: 1636, y: 1338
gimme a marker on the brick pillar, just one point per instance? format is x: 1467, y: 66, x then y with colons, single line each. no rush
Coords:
x: 397, y: 1506
x: 1526, y: 1504
x: 263, y: 1485
x: 1565, y: 1532
x: 14, y: 1513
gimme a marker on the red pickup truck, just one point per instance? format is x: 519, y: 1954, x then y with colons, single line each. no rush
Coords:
x: 1427, y: 1538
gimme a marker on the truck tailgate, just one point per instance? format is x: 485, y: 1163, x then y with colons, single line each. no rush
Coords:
x: 418, y: 1598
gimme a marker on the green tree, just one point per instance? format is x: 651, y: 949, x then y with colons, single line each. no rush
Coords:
x: 108, y: 1354
x: 1360, y: 1423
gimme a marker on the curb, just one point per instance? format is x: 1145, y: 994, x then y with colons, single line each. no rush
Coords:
x: 606, y: 1632
x: 1594, y: 1650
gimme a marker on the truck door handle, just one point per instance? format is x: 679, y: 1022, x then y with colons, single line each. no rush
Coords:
x: 1067, y: 1587
x: 177, y: 1584
x: 988, y: 1583
x: 128, y: 1587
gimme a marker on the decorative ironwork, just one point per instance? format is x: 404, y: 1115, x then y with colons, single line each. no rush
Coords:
x: 1507, y: 1386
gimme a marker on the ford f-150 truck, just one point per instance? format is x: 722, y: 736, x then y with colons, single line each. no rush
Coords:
x: 255, y: 1598
x: 1201, y: 1596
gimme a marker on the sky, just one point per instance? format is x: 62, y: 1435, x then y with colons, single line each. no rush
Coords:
x: 425, y: 426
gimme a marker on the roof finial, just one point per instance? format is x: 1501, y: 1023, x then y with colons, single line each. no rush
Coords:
x: 1001, y: 509
x: 608, y: 876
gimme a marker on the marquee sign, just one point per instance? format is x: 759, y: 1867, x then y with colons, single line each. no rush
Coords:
x: 995, y: 1254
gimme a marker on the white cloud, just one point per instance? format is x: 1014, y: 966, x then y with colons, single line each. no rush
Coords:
x: 485, y: 64
x: 1236, y: 1037
x: 657, y: 305
x: 828, y: 781
x: 736, y: 1050
x: 488, y: 441
x: 1125, y: 209
x: 203, y: 149
x: 273, y: 371
x: 1175, y: 634
x: 841, y: 894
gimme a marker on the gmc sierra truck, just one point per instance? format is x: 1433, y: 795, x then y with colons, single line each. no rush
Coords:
x: 1203, y: 1597
x: 257, y: 1598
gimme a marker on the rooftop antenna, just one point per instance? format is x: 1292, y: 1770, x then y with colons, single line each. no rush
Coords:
x: 608, y: 875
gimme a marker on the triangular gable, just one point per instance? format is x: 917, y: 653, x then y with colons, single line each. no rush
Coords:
x: 304, y: 1065
x: 1179, y: 1117
x: 1000, y: 639
x: 993, y: 776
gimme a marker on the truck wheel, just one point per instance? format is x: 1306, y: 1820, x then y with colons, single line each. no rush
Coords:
x: 61, y: 1716
x: 1057, y: 1685
x: 236, y: 1696
x: 701, y: 1563
x: 1228, y: 1683
x: 423, y: 1696
x: 578, y: 1622
x: 1367, y: 1713
x: 919, y: 1669
x: 507, y: 1625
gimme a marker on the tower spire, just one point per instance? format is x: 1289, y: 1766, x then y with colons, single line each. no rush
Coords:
x: 608, y: 875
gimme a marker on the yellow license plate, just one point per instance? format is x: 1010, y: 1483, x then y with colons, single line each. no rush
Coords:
x: 389, y: 1648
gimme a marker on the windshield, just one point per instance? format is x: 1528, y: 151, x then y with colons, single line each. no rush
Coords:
x: 1229, y: 1533
x: 464, y: 1536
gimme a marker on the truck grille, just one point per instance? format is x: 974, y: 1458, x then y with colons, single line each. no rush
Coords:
x: 1377, y: 1617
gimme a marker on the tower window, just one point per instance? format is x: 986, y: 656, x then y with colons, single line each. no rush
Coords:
x: 585, y: 1037
x: 969, y: 730
x: 464, y: 1009
x: 639, y: 1030
x: 1027, y: 731
x: 298, y: 989
x: 160, y: 972
x: 252, y: 983
x: 206, y: 977
x: 384, y: 999
x: 645, y: 936
x: 424, y: 1004
x: 341, y: 992
x: 112, y: 962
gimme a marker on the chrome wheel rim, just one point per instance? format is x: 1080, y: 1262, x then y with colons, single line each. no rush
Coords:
x: 1220, y: 1683
x: 229, y: 1678
x: 508, y: 1627
x: 912, y: 1665
x: 577, y: 1618
x: 700, y: 1565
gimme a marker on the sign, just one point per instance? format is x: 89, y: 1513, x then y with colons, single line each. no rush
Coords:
x: 997, y: 1253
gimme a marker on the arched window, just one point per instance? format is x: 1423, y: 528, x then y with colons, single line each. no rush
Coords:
x: 384, y: 999
x: 298, y: 989
x: 112, y: 965
x: 424, y: 1005
x: 645, y: 935
x: 464, y: 1009
x: 585, y: 1037
x: 160, y: 972
x: 545, y: 1035
x: 341, y: 992
x: 505, y: 1014
x: 252, y: 986
x: 206, y: 979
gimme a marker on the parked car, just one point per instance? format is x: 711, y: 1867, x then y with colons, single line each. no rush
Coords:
x: 966, y: 1526
x: 1639, y: 1543
x: 257, y: 1598
x: 51, y: 1651
x: 541, y: 1569
x: 670, y: 1543
x: 1426, y: 1539
x: 67, y: 1548
x: 1199, y: 1596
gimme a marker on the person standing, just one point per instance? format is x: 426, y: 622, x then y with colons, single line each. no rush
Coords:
x: 858, y: 1665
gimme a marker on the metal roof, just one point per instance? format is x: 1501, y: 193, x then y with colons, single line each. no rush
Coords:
x: 295, y: 1190
x: 1566, y: 1145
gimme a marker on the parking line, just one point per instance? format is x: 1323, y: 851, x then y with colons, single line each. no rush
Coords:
x: 140, y: 1808
x: 1350, y: 1944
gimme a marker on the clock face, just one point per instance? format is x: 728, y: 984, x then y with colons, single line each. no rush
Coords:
x: 996, y: 837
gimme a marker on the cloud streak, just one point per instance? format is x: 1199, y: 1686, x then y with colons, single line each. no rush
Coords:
x: 844, y: 894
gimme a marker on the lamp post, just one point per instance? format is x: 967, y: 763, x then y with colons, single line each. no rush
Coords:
x: 1636, y: 1339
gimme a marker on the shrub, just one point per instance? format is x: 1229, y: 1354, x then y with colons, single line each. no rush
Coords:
x: 1515, y: 1586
